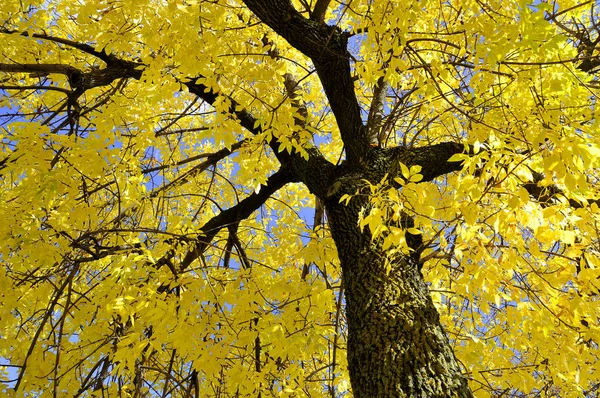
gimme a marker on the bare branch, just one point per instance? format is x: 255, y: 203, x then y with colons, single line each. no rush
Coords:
x: 213, y: 158
x: 39, y: 69
x: 374, y: 122
x: 320, y: 10
x: 50, y: 88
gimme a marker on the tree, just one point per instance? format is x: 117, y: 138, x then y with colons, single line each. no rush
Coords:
x: 159, y: 159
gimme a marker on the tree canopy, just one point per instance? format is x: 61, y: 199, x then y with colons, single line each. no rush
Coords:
x: 299, y: 198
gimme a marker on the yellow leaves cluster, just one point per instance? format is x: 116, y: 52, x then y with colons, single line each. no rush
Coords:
x: 515, y: 277
x: 512, y: 283
x: 388, y: 208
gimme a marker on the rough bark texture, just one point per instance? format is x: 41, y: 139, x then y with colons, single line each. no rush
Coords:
x: 396, y: 345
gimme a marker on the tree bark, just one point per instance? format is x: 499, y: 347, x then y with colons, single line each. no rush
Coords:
x: 396, y: 344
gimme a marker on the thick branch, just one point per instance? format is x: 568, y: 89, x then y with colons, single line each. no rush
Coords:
x: 320, y: 10
x: 327, y: 47
x: 433, y: 159
x: 39, y: 69
x: 545, y: 195
x: 313, y: 39
x: 313, y: 172
x: 434, y: 163
x: 79, y: 80
x: 235, y: 214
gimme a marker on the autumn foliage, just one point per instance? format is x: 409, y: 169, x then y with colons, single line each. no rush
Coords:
x: 171, y: 172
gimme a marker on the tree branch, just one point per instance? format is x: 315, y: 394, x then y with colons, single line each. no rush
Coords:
x: 79, y: 46
x: 433, y: 159
x: 320, y: 10
x: 42, y: 69
x: 213, y: 157
x: 314, y: 172
x: 374, y: 122
x: 292, y: 87
x: 327, y: 47
x: 545, y: 195
x: 80, y: 81
x: 235, y: 214
x: 35, y: 88
x: 433, y: 162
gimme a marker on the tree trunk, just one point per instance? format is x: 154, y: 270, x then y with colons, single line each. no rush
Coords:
x: 396, y: 345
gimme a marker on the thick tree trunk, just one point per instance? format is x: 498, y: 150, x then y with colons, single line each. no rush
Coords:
x: 396, y: 345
